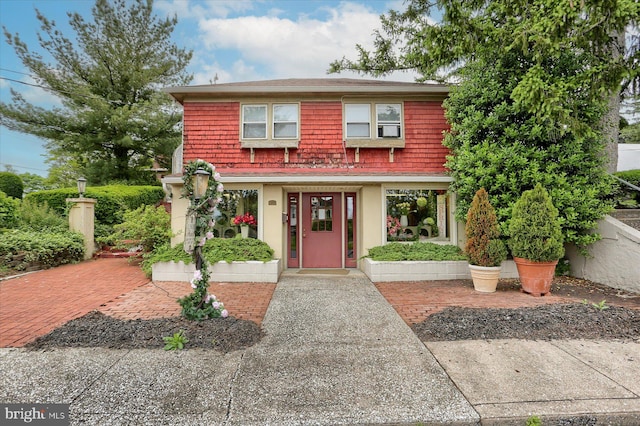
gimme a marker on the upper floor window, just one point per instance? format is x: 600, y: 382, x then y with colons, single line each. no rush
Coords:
x: 270, y: 121
x: 358, y: 119
x: 254, y: 122
x: 373, y: 120
x: 388, y: 120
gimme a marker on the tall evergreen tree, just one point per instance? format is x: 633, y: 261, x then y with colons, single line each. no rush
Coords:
x: 535, y: 81
x: 540, y: 30
x: 113, y: 121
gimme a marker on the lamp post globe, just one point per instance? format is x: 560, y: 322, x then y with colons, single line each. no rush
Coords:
x: 82, y: 186
x: 200, y: 181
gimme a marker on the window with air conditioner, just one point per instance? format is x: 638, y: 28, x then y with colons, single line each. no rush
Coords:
x: 388, y: 120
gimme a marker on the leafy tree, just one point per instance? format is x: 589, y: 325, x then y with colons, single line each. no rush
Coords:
x: 630, y: 133
x: 34, y: 183
x: 535, y: 80
x: 11, y: 184
x: 539, y: 30
x: 114, y: 121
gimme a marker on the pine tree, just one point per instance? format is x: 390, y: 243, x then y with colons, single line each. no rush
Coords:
x: 114, y: 120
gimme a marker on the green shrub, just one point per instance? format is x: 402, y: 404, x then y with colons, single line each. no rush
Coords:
x: 484, y: 246
x: 165, y: 253
x: 11, y: 184
x: 8, y: 211
x: 496, y: 145
x: 40, y: 217
x: 215, y: 250
x: 111, y: 201
x: 534, y: 230
x: 21, y: 249
x: 149, y: 225
x: 416, y: 251
x: 236, y: 249
x: 624, y: 196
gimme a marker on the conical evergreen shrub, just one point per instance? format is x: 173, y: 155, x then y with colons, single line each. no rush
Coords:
x: 483, y: 247
x: 534, y: 231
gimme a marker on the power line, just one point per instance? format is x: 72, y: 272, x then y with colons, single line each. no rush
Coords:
x: 24, y: 167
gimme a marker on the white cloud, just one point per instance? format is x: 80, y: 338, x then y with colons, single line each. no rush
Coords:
x: 186, y: 9
x: 273, y: 47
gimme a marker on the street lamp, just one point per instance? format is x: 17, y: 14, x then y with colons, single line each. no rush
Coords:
x: 200, y: 182
x: 82, y: 186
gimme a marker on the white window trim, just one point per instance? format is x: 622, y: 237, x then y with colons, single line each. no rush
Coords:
x: 373, y: 141
x: 269, y: 141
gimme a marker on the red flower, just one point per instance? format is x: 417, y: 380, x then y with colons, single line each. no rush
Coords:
x: 245, y: 219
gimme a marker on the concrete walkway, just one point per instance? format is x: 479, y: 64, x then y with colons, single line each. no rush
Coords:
x: 335, y: 352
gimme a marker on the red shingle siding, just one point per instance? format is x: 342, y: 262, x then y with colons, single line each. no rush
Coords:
x: 212, y: 133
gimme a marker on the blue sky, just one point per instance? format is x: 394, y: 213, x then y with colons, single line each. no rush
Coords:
x: 235, y: 40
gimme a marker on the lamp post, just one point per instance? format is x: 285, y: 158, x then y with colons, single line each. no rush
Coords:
x: 82, y: 186
x: 200, y: 181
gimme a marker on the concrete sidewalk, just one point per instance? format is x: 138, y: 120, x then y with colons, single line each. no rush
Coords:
x: 336, y: 352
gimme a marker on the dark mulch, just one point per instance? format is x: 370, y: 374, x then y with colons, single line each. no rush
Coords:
x: 98, y: 330
x: 556, y: 321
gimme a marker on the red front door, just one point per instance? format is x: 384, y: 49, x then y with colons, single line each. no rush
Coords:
x: 321, y: 230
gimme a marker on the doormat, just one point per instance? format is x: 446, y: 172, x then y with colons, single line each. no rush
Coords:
x: 323, y: 272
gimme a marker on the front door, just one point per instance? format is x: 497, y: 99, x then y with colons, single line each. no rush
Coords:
x: 321, y: 230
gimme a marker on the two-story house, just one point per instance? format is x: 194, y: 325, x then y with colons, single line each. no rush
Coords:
x: 328, y: 167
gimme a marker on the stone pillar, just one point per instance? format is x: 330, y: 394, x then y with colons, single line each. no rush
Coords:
x: 81, y: 219
x: 441, y: 203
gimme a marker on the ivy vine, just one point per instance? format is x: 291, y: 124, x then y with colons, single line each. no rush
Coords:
x: 200, y: 304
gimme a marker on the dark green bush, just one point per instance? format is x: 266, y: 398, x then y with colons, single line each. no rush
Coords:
x: 111, y: 201
x: 8, y: 211
x: 534, y: 231
x: 626, y: 197
x: 415, y: 251
x: 11, y: 184
x: 21, y: 249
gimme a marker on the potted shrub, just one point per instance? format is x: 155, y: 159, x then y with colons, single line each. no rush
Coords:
x: 484, y: 248
x: 535, y: 240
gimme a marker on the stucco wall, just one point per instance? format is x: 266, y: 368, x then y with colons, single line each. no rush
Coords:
x: 273, y: 230
x: 373, y: 224
x: 614, y: 260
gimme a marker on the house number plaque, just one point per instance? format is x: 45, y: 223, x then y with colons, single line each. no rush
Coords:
x: 190, y: 232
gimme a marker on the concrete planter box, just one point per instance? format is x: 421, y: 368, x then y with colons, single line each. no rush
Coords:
x: 252, y: 271
x: 414, y: 270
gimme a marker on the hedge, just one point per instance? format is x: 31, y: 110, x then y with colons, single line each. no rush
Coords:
x: 8, y: 211
x: 111, y: 201
x: 21, y: 249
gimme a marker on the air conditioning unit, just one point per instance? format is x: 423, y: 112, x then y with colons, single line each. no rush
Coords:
x: 390, y: 131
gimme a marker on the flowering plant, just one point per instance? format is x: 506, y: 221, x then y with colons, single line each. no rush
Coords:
x: 200, y: 304
x: 245, y: 219
x: 393, y: 225
x: 404, y: 208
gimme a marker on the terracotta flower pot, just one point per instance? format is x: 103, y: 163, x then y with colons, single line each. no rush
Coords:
x: 485, y: 278
x: 535, y: 277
